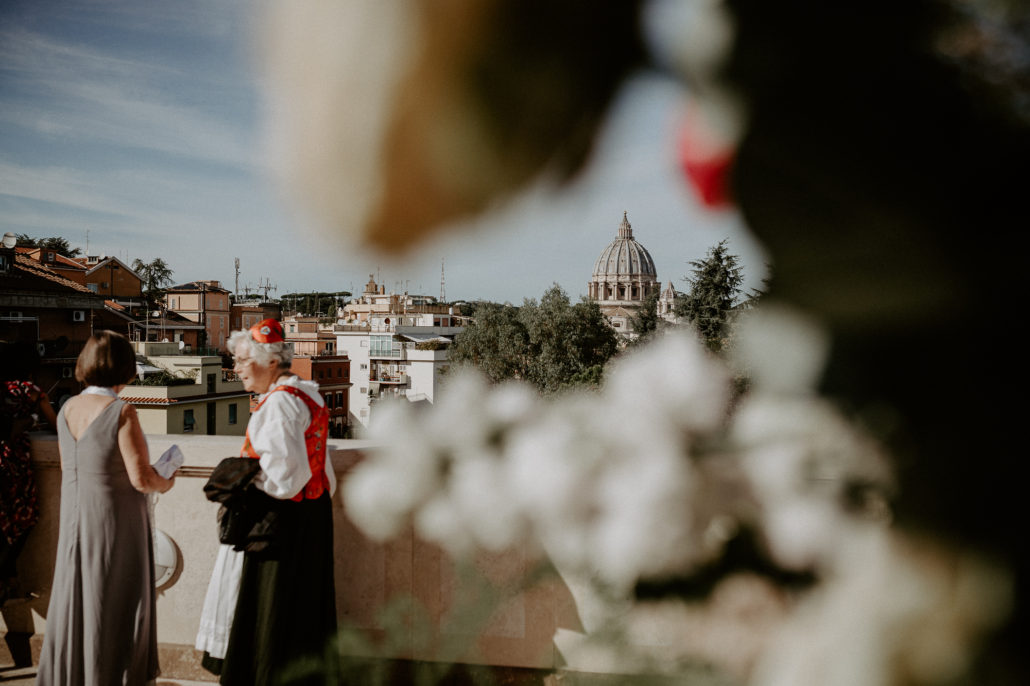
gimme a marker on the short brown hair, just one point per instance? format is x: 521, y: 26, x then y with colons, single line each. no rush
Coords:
x: 107, y: 359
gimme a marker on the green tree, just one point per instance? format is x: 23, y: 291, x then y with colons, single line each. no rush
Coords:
x: 715, y: 287
x: 553, y: 344
x: 495, y: 341
x: 646, y: 322
x: 156, y: 274
x: 60, y: 245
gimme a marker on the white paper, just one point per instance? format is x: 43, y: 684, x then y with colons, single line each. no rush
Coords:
x: 169, y: 461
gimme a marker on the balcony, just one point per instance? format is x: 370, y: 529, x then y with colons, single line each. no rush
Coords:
x: 523, y: 635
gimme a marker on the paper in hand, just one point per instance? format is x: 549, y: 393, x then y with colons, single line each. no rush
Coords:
x: 169, y: 461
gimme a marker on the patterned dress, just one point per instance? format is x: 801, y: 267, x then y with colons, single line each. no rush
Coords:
x: 19, y: 510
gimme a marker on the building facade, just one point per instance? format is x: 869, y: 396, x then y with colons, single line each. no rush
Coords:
x: 397, y: 346
x: 206, y: 303
x: 244, y: 315
x: 212, y: 402
x: 332, y: 374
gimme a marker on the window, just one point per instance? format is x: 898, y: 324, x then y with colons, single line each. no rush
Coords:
x: 188, y: 421
x: 3, y: 263
x: 382, y: 346
x: 339, y: 372
x: 232, y: 413
x: 293, y: 328
x: 321, y: 373
x: 329, y: 400
x: 210, y: 383
x: 92, y: 287
x: 171, y: 303
x: 339, y: 399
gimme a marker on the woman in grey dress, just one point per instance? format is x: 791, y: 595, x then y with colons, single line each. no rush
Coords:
x: 101, y: 625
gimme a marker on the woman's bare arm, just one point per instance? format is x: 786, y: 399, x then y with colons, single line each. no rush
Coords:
x: 133, y: 445
x: 47, y: 410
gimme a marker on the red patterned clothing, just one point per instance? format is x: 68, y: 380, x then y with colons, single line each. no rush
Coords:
x: 19, y: 509
x: 314, y: 442
x: 288, y: 433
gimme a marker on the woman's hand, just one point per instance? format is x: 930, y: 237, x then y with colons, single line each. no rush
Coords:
x: 136, y: 455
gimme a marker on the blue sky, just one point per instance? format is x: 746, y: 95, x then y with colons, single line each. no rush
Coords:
x: 138, y: 126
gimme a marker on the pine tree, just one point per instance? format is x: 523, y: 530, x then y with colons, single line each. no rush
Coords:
x: 715, y: 286
x: 155, y: 274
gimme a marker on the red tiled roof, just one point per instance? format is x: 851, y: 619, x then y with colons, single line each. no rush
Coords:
x: 66, y: 262
x: 141, y: 400
x: 33, y: 267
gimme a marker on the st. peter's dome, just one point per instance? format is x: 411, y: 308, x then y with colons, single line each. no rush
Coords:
x: 624, y: 274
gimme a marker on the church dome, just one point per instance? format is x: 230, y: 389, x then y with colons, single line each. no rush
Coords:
x: 624, y: 257
x: 624, y: 275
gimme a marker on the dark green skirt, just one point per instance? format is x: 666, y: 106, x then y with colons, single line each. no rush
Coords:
x: 286, y: 612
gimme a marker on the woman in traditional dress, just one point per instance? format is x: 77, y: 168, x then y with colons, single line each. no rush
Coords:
x: 101, y: 624
x: 21, y: 403
x: 285, y: 607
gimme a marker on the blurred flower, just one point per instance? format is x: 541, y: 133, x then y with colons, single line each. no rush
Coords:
x: 395, y: 118
x: 902, y: 611
x: 602, y: 481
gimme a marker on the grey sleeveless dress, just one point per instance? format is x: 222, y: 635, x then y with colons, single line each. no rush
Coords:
x: 101, y: 627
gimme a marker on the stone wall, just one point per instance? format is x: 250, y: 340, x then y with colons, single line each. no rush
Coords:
x: 448, y: 618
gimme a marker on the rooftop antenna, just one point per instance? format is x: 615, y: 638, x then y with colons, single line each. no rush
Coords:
x: 87, y: 242
x: 236, y: 263
x: 266, y: 286
x: 443, y: 290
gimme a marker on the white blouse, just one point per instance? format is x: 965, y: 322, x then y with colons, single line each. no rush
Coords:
x: 276, y: 433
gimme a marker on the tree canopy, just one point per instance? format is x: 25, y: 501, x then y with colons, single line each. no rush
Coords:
x: 60, y: 245
x: 553, y: 344
x: 156, y: 274
x: 645, y: 323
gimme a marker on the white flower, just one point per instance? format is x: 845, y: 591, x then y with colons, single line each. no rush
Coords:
x: 801, y: 456
x: 674, y: 381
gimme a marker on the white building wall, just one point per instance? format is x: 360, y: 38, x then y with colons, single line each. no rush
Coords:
x: 355, y: 345
x: 424, y: 370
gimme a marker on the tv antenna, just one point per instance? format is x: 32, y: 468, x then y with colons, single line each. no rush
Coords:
x: 266, y: 286
x: 443, y: 290
x: 236, y: 263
